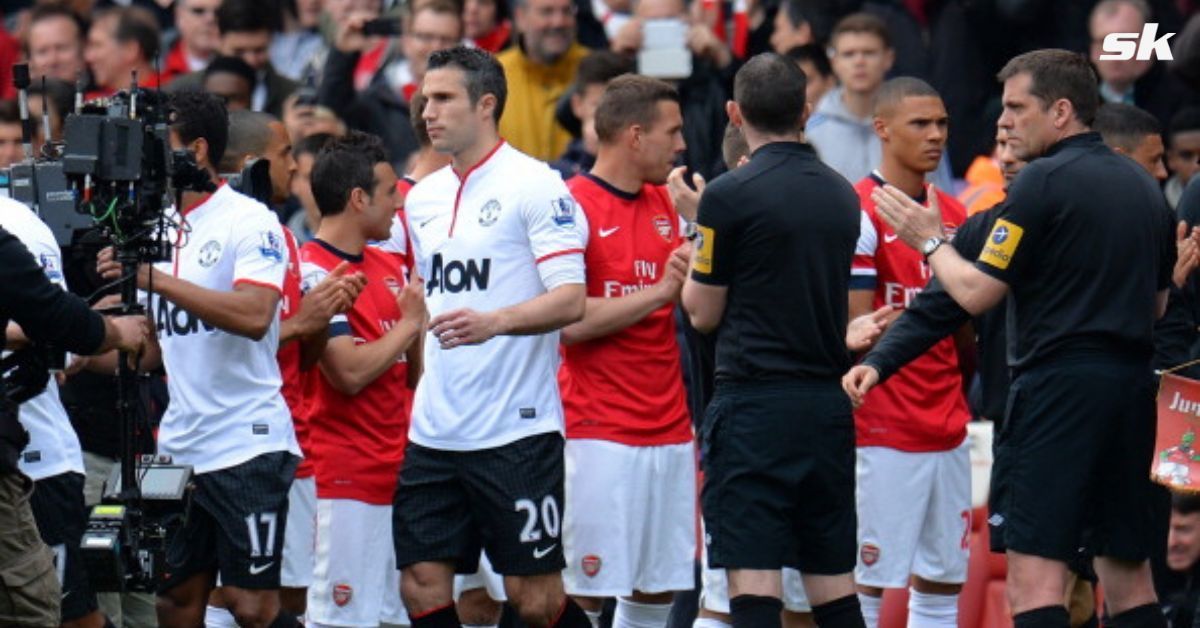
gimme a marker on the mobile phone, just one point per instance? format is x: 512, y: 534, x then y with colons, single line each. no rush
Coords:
x: 664, y: 52
x: 384, y: 26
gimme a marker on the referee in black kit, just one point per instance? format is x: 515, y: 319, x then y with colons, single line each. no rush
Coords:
x: 1084, y: 249
x: 770, y: 276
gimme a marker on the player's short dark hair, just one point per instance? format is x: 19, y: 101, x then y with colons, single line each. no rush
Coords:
x: 311, y: 144
x: 245, y: 16
x: 814, y: 54
x: 630, y: 99
x: 1125, y: 126
x: 733, y: 146
x: 230, y: 65
x: 894, y: 91
x: 1185, y: 503
x: 769, y: 90
x: 133, y: 23
x: 249, y: 134
x: 10, y: 112
x: 1185, y: 120
x: 201, y: 115
x: 1058, y: 74
x: 50, y: 10
x: 600, y: 67
x: 862, y: 23
x: 344, y: 164
x: 816, y: 13
x: 482, y: 73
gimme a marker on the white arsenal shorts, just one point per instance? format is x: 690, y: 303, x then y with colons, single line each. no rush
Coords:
x: 914, y: 516
x: 355, y: 581
x: 300, y: 534
x: 630, y: 518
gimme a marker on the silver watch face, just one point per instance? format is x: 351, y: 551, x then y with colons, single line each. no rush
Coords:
x: 931, y: 245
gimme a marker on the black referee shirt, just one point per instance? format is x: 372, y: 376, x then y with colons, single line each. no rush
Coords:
x: 780, y: 233
x: 1084, y: 244
x: 934, y: 315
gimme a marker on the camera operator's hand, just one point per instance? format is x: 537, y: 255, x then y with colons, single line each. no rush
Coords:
x: 127, y: 333
x: 109, y: 268
x: 350, y: 37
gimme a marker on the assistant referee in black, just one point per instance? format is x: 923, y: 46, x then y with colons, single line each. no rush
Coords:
x: 1084, y: 249
x: 770, y: 276
x: 29, y: 589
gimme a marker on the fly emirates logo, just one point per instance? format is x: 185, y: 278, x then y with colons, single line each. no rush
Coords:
x: 897, y: 294
x: 646, y: 274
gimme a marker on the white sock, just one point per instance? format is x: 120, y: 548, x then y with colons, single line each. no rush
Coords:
x: 709, y: 622
x: 217, y: 617
x: 928, y: 610
x: 594, y: 617
x: 870, y: 609
x: 632, y: 614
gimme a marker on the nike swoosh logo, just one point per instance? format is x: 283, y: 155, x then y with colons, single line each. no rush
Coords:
x: 538, y: 554
x: 889, y: 238
x: 604, y: 233
x: 257, y: 569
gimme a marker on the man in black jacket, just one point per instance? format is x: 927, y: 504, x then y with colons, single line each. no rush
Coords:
x: 44, y: 313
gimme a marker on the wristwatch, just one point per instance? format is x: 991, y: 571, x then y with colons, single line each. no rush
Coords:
x: 931, y: 245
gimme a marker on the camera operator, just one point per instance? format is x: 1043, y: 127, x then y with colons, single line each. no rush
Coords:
x: 44, y: 313
x: 216, y: 306
x: 53, y: 458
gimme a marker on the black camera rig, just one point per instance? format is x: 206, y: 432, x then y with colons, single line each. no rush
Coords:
x: 115, y: 170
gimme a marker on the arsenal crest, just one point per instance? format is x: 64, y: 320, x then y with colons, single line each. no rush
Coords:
x: 590, y: 565
x: 342, y: 594
x: 869, y: 554
x: 662, y: 224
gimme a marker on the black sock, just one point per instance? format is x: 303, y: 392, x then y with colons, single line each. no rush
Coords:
x: 571, y: 616
x: 755, y: 611
x: 444, y: 617
x: 285, y: 620
x: 843, y: 612
x: 1044, y: 617
x: 1144, y: 616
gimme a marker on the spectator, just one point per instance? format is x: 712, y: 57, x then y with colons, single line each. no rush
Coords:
x: 231, y: 79
x: 198, y: 38
x: 1183, y: 152
x: 245, y: 32
x: 985, y: 180
x: 486, y: 23
x: 842, y: 127
x: 54, y: 42
x: 294, y: 49
x: 799, y: 23
x: 304, y: 223
x: 122, y: 41
x: 539, y: 69
x: 1133, y: 132
x: 1183, y: 556
x: 382, y: 108
x: 598, y: 21
x: 703, y: 94
x: 60, y: 98
x: 595, y: 71
x: 304, y: 119
x: 11, y: 150
x: 1141, y: 82
x: 818, y: 73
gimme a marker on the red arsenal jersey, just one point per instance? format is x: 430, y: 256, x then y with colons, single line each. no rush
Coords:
x: 627, y: 387
x: 358, y: 441
x: 921, y: 407
x: 398, y: 243
x: 289, y: 354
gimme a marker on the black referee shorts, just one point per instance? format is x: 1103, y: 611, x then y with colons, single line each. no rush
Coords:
x: 778, y: 491
x: 235, y: 524
x: 506, y: 500
x: 1073, y: 460
x: 61, y: 516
